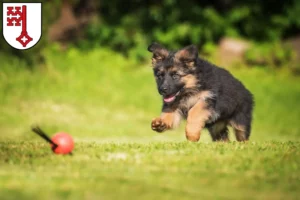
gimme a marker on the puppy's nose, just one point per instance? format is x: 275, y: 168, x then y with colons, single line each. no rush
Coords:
x: 164, y: 89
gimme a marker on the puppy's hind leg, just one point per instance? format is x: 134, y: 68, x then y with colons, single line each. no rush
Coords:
x: 219, y: 131
x: 241, y: 125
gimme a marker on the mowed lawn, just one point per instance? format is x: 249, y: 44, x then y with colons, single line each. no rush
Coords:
x: 159, y: 170
x: 106, y: 103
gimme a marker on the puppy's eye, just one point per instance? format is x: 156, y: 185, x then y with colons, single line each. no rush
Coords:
x: 157, y: 57
x: 159, y: 76
x: 175, y: 76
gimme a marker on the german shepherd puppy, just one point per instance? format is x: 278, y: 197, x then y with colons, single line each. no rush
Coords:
x: 205, y: 95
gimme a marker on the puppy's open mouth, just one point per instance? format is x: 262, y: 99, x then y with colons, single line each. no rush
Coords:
x: 171, y: 98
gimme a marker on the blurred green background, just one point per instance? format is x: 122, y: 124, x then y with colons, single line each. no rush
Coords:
x: 90, y: 75
x: 128, y: 27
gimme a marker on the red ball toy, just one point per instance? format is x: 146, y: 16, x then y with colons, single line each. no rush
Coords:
x: 64, y: 142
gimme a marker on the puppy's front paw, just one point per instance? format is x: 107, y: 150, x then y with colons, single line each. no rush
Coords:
x: 158, y: 125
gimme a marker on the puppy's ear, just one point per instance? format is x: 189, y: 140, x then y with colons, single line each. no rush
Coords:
x: 187, y: 55
x: 159, y: 52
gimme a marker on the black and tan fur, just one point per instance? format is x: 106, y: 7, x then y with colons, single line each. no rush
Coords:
x: 205, y: 95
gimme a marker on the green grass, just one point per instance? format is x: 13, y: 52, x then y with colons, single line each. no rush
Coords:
x: 107, y: 102
x: 163, y: 170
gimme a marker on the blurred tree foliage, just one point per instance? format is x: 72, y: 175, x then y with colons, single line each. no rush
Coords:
x: 129, y: 26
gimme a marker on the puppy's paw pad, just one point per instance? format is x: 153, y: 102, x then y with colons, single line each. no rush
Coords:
x: 158, y: 125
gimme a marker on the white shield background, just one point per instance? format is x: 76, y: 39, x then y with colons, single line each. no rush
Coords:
x: 34, y: 25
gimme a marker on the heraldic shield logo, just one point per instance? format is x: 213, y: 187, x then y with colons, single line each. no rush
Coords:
x: 22, y: 24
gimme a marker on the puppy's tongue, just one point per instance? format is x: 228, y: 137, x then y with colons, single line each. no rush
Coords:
x: 169, y: 99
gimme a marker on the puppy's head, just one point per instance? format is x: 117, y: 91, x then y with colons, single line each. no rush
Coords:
x: 174, y: 71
